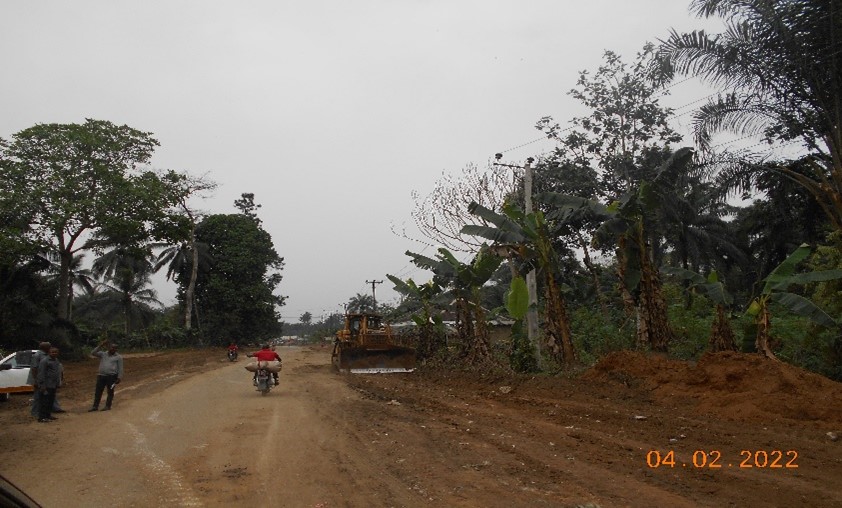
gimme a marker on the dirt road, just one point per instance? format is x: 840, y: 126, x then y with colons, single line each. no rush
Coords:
x: 184, y: 434
x: 209, y: 440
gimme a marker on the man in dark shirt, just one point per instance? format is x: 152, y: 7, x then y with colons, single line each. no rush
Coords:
x: 50, y: 373
x: 32, y: 379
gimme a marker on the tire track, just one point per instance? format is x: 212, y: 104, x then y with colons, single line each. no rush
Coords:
x: 176, y: 493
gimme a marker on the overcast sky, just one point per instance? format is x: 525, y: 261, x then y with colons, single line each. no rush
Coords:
x: 332, y: 112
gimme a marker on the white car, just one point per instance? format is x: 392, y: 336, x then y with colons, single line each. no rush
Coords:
x: 14, y: 369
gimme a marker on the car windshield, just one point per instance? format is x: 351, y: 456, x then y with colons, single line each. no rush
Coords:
x: 22, y: 359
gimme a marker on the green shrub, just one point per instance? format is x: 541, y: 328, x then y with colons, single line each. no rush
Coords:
x: 594, y: 335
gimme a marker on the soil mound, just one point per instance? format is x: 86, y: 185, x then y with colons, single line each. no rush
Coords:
x: 736, y: 386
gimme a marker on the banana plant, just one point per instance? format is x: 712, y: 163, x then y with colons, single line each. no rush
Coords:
x: 528, y: 237
x: 428, y: 321
x: 523, y: 357
x: 775, y: 289
x: 626, y: 224
x: 464, y: 282
x: 721, y: 334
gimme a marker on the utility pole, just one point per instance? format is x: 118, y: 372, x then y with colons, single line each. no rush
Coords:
x: 531, y: 286
x: 373, y: 297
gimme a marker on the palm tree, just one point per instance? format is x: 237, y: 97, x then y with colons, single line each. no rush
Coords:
x: 306, y: 318
x: 77, y: 276
x: 127, y: 272
x: 129, y: 297
x: 694, y: 235
x: 190, y: 255
x: 360, y: 303
x: 774, y: 226
x: 779, y: 64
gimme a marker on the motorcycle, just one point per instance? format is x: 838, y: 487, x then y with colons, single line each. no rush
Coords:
x: 232, y: 355
x: 264, y: 381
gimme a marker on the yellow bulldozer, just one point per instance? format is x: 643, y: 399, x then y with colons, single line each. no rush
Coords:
x: 367, y: 345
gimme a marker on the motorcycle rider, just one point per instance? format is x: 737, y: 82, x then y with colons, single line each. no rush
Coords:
x: 265, y: 355
x: 232, y: 350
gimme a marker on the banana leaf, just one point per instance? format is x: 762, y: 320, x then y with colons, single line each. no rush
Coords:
x: 673, y: 167
x: 805, y: 308
x: 710, y: 287
x: 684, y: 274
x: 779, y: 278
x: 517, y: 299
x: 501, y: 221
x: 400, y: 286
x: 435, y: 265
x: 807, y: 278
x: 495, y: 235
x: 572, y: 203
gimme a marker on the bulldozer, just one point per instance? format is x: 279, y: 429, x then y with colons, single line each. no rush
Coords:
x: 367, y: 345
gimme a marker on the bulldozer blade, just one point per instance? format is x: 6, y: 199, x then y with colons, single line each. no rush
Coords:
x: 361, y: 360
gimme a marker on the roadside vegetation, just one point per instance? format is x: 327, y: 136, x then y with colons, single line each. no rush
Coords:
x: 626, y: 236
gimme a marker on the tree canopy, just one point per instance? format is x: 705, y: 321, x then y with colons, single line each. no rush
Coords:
x: 235, y: 298
x: 75, y: 186
x: 777, y: 67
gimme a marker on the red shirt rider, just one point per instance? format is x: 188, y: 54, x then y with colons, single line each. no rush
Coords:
x: 266, y: 355
x: 232, y: 347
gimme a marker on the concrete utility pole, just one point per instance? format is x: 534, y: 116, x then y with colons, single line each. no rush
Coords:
x: 373, y: 282
x: 531, y: 286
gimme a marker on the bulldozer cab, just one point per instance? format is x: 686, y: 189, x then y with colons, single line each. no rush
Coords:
x: 355, y: 324
x: 366, y: 345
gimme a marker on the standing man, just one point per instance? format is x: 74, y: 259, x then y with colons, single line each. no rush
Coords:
x: 110, y: 373
x: 49, y: 379
x: 32, y: 379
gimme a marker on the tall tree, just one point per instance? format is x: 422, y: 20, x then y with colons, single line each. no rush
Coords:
x: 186, y: 256
x: 236, y: 296
x: 625, y: 136
x: 778, y: 65
x: 73, y: 180
x: 626, y: 141
x: 27, y: 302
x: 783, y: 217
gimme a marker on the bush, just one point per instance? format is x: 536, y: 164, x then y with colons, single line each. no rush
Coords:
x: 595, y: 336
x: 522, y: 356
